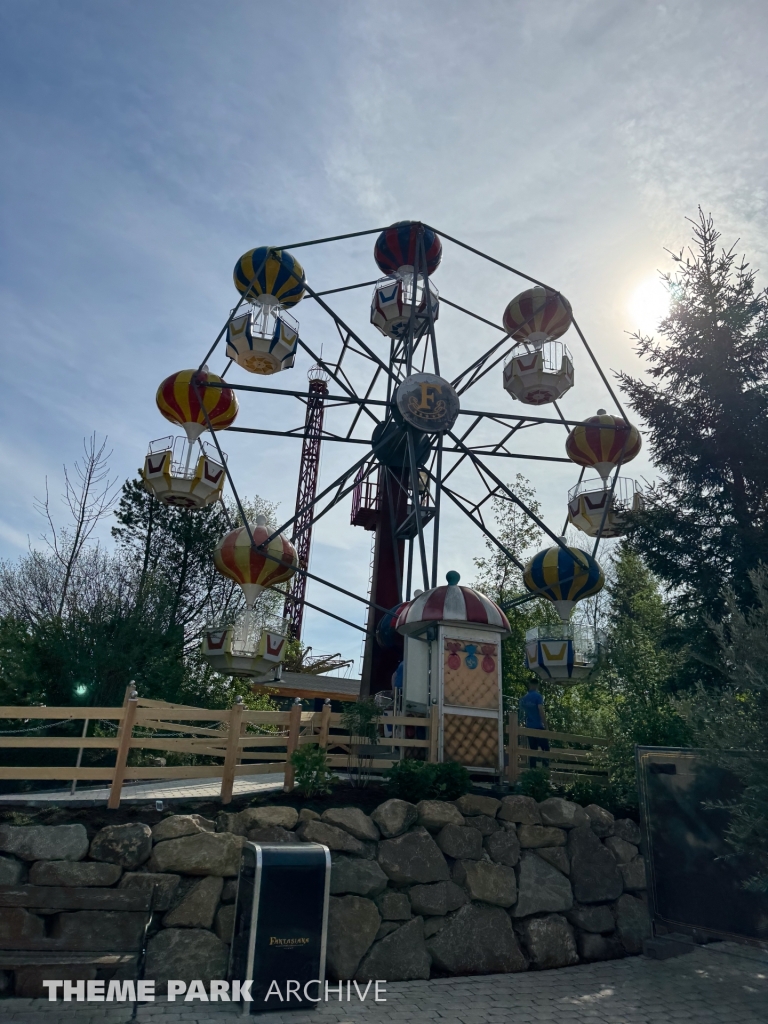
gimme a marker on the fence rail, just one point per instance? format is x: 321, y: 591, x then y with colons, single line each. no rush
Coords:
x: 226, y: 735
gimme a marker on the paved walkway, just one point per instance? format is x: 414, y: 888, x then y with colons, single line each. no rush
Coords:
x: 719, y: 984
x: 178, y: 789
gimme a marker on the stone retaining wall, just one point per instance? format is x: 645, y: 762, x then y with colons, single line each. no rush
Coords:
x: 474, y: 886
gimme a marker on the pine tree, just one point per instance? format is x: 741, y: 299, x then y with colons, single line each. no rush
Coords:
x: 705, y: 524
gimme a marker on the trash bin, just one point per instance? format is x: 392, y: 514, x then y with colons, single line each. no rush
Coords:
x: 281, y: 923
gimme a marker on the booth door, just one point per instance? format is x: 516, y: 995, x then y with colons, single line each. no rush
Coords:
x: 471, y: 679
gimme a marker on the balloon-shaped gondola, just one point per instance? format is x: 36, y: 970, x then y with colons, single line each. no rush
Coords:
x: 397, y: 252
x: 601, y: 442
x: 540, y: 368
x: 170, y: 472
x: 264, y: 339
x: 245, y: 648
x: 565, y: 653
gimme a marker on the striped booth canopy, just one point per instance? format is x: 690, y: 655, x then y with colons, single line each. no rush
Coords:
x: 269, y: 277
x: 452, y: 604
x: 397, y: 246
x: 563, y: 577
x: 601, y: 442
x: 537, y: 315
x: 182, y: 400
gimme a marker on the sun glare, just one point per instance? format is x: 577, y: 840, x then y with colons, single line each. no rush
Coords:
x: 648, y: 305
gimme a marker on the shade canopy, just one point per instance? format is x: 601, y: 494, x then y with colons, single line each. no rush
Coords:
x: 451, y: 603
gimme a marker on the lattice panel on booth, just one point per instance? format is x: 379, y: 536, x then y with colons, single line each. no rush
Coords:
x: 471, y: 741
x: 470, y: 674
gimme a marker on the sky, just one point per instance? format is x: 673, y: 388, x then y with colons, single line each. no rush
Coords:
x: 147, y: 144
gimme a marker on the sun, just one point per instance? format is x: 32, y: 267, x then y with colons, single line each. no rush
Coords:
x: 648, y: 305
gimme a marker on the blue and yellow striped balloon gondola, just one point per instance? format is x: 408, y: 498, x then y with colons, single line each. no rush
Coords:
x: 563, y: 577
x: 269, y: 274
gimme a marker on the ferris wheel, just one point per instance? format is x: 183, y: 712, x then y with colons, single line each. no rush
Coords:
x: 410, y: 428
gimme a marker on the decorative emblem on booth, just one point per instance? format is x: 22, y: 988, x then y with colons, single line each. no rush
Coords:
x: 427, y: 402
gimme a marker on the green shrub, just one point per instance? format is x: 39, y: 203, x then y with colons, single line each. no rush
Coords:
x: 420, y: 780
x: 535, y: 782
x: 312, y: 775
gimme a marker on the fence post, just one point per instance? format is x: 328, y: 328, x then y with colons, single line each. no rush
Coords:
x: 233, y: 749
x: 325, y: 723
x: 513, y: 769
x: 79, y: 756
x: 434, y: 732
x: 126, y: 733
x: 294, y: 726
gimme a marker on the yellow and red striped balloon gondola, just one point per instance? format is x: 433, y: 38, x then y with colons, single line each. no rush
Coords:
x: 538, y: 315
x: 182, y: 400
x: 235, y: 557
x: 602, y: 441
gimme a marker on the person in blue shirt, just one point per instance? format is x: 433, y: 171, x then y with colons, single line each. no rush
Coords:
x: 533, y: 706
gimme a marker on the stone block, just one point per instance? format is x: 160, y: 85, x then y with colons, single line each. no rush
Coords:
x: 541, y: 888
x: 413, y: 858
x: 628, y: 830
x: 164, y: 886
x: 177, y: 825
x: 460, y: 842
x: 19, y: 929
x: 78, y: 873
x: 272, y: 834
x: 110, y: 931
x: 29, y: 980
x: 186, y: 954
x: 224, y: 922
x: 197, y: 908
x: 330, y: 836
x: 503, y: 847
x: 210, y: 853
x: 533, y: 836
x: 436, y: 814
x: 352, y: 926
x: 127, y: 845
x: 12, y: 871
x: 395, y: 906
x: 600, y: 820
x: 562, y: 813
x: 45, y: 842
x: 487, y: 882
x: 437, y: 899
x: 557, y: 856
x: 593, y: 947
x: 521, y: 809
x: 401, y: 956
x: 472, y: 804
x: 394, y: 817
x: 352, y: 820
x: 596, y: 919
x: 477, y: 940
x: 358, y: 876
x: 633, y: 874
x: 386, y: 928
x: 484, y: 824
x: 549, y: 941
x: 595, y: 875
x: 229, y: 892
x: 306, y: 814
x: 265, y: 816
x: 633, y: 922
x: 623, y: 851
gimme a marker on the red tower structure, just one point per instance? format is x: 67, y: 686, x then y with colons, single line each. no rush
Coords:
x: 305, y: 495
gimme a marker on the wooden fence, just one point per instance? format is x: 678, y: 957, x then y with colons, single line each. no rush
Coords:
x: 565, y: 762
x: 231, y: 737
x: 228, y: 735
